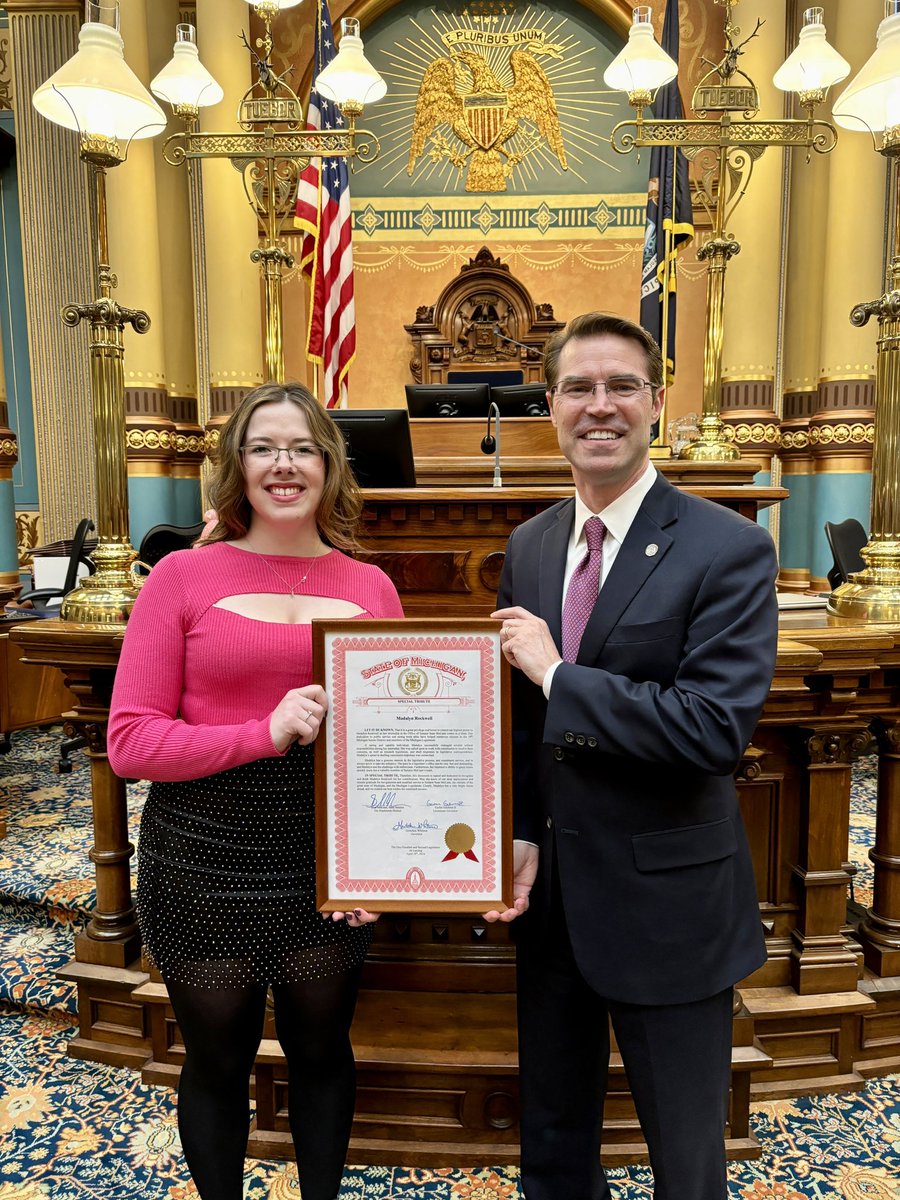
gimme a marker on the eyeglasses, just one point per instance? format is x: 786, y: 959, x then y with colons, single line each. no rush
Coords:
x: 267, y: 456
x: 618, y: 387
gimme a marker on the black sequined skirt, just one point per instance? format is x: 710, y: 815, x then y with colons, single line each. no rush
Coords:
x: 226, y: 879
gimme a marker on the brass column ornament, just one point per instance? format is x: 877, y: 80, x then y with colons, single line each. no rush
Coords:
x: 871, y: 102
x: 271, y: 159
x: 97, y: 94
x: 732, y: 142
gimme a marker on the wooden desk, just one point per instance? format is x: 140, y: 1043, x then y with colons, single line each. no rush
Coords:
x: 27, y: 696
x: 444, y: 1090
x: 443, y: 546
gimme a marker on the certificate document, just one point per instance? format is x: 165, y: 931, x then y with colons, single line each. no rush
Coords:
x: 413, y: 800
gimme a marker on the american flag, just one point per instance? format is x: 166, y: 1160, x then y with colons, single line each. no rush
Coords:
x: 326, y: 256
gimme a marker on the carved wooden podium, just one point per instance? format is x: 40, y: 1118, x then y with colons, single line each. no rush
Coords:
x: 435, y: 1030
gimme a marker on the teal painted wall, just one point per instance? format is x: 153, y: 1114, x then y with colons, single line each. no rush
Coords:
x: 150, y: 502
x: 794, y: 553
x: 185, y: 501
x: 834, y: 498
x: 14, y: 334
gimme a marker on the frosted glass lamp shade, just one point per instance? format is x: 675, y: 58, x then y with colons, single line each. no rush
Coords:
x: 641, y: 65
x: 871, y: 100
x: 184, y: 81
x: 97, y: 94
x: 814, y: 64
x: 350, y: 77
x: 276, y: 5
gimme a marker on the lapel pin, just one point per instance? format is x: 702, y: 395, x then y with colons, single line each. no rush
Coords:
x: 651, y: 549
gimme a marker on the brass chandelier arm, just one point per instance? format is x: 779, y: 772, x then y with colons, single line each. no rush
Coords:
x: 299, y: 145
x: 814, y: 134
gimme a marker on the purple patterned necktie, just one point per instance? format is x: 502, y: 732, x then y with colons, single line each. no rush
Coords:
x: 583, y: 588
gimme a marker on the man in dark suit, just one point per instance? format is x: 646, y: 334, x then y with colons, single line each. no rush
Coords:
x: 645, y: 646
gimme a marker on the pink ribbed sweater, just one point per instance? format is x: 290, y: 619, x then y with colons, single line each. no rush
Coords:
x: 196, y: 684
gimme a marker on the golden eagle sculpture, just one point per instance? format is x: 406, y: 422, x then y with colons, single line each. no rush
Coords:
x: 462, y: 93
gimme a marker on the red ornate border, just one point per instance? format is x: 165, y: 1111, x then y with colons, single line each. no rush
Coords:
x: 416, y: 881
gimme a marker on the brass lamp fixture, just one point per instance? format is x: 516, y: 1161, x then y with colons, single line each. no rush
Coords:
x: 734, y: 140
x: 272, y: 148
x: 96, y: 94
x: 871, y: 102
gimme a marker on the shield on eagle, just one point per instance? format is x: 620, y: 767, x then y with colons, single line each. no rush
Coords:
x: 484, y: 116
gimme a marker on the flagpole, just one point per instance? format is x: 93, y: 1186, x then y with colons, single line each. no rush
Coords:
x: 669, y: 265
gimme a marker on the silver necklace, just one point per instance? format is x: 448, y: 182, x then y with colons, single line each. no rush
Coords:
x: 292, y: 588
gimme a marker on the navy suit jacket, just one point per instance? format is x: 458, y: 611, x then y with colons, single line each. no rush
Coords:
x: 628, y: 767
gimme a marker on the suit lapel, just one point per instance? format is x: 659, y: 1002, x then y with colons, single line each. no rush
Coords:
x: 633, y: 566
x: 552, y: 568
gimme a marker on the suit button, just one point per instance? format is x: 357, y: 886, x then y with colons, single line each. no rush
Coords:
x: 570, y: 737
x: 558, y: 753
x: 549, y: 822
x: 579, y: 741
x: 592, y: 742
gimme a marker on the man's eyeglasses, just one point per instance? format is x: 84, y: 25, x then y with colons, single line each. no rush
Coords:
x: 267, y: 456
x: 618, y: 387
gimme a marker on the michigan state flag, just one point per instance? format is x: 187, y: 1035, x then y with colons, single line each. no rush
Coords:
x: 670, y: 218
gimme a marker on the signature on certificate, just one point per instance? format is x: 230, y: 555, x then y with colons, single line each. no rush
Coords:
x: 414, y: 826
x: 387, y: 800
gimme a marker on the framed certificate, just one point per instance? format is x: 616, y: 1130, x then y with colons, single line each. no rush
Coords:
x: 413, y: 792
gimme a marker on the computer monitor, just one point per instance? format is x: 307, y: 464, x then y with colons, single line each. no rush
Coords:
x: 447, y: 399
x: 379, y: 446
x: 521, y: 400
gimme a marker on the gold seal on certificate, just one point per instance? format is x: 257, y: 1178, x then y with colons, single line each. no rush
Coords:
x: 412, y: 766
x: 459, y: 839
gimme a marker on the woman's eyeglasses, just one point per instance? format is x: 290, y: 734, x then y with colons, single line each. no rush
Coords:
x: 267, y: 456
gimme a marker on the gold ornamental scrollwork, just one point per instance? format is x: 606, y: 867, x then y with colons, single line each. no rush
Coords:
x: 149, y: 439
x: 27, y: 535
x: 190, y: 444
x: 857, y: 434
x: 757, y: 432
x: 9, y: 449
x: 838, y: 747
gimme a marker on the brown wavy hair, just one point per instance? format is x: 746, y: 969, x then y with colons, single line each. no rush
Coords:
x: 341, y: 502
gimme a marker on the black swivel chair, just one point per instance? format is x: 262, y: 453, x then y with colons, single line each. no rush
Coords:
x: 846, y: 539
x: 163, y: 539
x: 39, y: 599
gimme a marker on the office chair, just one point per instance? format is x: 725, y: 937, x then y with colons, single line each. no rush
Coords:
x: 846, y: 539
x: 40, y: 600
x: 40, y: 597
x: 161, y: 540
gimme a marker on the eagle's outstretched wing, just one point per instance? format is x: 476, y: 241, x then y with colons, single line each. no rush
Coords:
x: 531, y: 98
x: 438, y: 101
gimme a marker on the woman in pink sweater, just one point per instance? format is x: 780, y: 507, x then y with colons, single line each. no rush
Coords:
x: 214, y: 702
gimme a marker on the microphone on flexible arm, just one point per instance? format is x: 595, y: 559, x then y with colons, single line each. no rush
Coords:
x: 522, y: 346
x: 491, y: 444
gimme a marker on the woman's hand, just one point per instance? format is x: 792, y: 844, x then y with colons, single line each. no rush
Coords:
x: 356, y: 917
x: 298, y: 717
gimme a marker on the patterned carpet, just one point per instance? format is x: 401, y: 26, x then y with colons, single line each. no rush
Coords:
x: 71, y: 1130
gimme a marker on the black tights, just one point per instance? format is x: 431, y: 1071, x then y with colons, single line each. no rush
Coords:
x: 222, y: 1028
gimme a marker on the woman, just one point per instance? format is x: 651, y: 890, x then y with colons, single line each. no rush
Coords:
x: 213, y: 701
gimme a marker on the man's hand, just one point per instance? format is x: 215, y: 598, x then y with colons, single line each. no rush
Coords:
x: 526, y: 642
x: 525, y: 865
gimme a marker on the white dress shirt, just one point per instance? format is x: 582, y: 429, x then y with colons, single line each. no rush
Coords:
x: 617, y: 518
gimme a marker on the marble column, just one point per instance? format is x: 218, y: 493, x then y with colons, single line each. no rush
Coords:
x: 134, y: 236
x: 753, y: 284
x: 233, y: 281
x: 841, y: 429
x: 175, y: 257
x: 58, y: 219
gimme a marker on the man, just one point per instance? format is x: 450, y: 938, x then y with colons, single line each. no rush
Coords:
x: 645, y: 647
